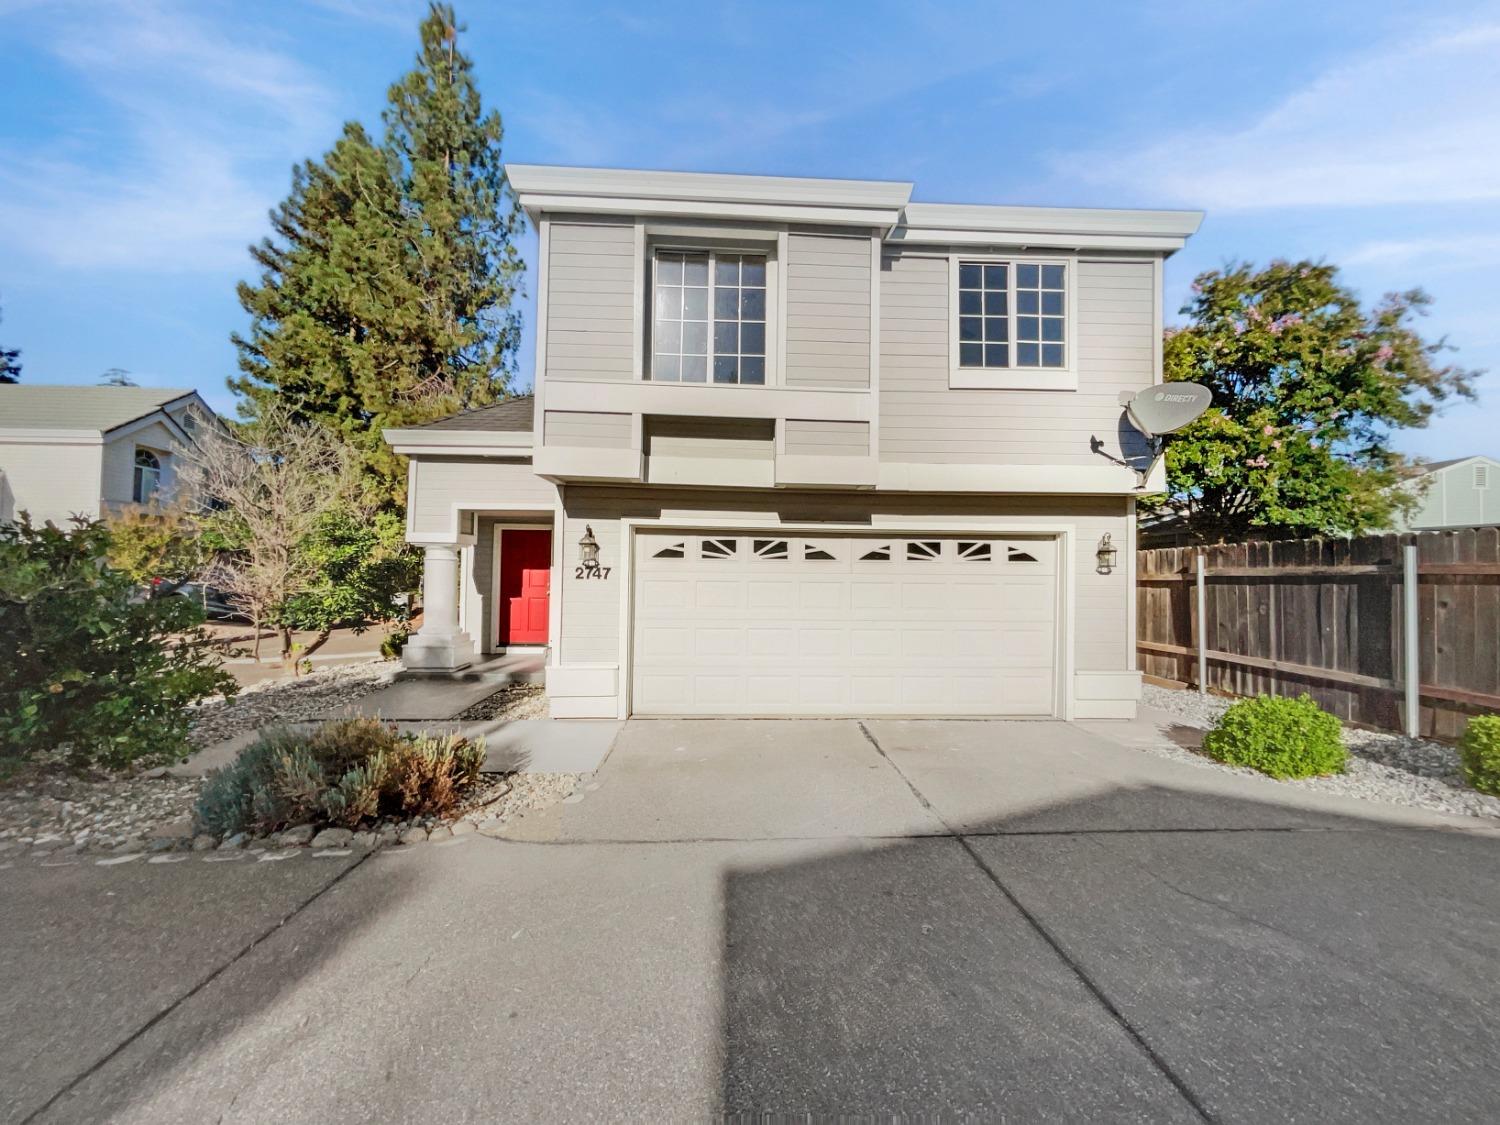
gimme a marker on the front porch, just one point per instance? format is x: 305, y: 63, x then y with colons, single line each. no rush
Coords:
x: 486, y: 601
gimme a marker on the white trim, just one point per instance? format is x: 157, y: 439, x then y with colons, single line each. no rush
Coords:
x: 727, y: 400
x: 536, y: 205
x: 452, y: 536
x: 807, y: 470
x: 1064, y: 533
x: 434, y: 442
x: 559, y: 565
x: 638, y: 298
x: 1158, y: 312
x: 1130, y: 585
x: 571, y: 462
x: 876, y: 255
x: 1015, y: 378
x: 552, y: 179
x: 492, y: 627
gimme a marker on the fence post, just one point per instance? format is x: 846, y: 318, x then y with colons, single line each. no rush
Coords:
x: 1410, y: 643
x: 1202, y: 624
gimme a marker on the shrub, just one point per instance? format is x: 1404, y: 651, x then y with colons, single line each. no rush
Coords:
x: 344, y: 773
x: 1279, y: 737
x: 91, y: 668
x: 1479, y: 752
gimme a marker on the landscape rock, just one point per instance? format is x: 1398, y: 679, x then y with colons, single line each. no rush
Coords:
x: 204, y: 842
x: 461, y: 827
x: 296, y: 836
x: 387, y: 835
x: 163, y: 844
x: 232, y: 843
x: 364, y: 840
x: 414, y: 835
x: 332, y: 838
x: 440, y: 832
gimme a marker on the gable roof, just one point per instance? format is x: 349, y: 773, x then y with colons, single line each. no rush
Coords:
x: 96, y: 409
x: 514, y: 415
x: 1438, y: 466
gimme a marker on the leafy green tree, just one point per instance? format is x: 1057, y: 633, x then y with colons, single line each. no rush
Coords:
x: 10, y: 365
x: 386, y: 290
x: 91, y: 669
x: 362, y: 567
x: 1308, y: 387
x: 159, y: 547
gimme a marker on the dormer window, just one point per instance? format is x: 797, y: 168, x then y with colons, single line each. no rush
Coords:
x: 709, y: 317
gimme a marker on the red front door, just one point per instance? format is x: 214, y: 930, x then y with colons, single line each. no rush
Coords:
x: 525, y: 580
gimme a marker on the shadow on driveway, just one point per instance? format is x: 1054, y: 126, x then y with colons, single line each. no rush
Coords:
x: 1040, y: 969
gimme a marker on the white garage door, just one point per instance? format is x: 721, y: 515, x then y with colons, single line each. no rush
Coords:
x: 729, y: 624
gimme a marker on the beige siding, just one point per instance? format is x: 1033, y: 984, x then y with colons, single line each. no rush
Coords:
x: 51, y: 482
x: 586, y: 428
x: 591, y: 301
x: 471, y: 483
x: 922, y: 419
x: 592, y: 609
x: 827, y: 311
x: 734, y: 438
x: 118, y: 475
x: 827, y: 439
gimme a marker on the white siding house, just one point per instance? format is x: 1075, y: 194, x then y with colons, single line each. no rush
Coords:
x: 805, y: 447
x: 84, y: 451
x: 1463, y: 492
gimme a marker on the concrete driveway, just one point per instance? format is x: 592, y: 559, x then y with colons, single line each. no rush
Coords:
x: 1000, y: 919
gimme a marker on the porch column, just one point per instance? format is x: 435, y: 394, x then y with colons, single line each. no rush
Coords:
x: 440, y: 645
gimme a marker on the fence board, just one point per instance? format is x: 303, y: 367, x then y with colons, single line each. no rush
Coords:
x: 1325, y: 617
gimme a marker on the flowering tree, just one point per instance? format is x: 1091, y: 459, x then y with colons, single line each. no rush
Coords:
x: 1307, y: 387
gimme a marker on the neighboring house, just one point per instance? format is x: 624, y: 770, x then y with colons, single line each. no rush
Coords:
x: 804, y: 447
x: 1463, y: 492
x: 67, y: 451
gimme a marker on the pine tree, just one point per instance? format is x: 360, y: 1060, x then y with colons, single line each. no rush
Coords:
x: 10, y: 365
x: 386, y: 289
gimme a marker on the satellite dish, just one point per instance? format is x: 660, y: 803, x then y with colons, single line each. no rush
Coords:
x: 1166, y: 407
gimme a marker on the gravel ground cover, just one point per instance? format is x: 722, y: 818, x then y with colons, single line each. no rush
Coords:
x: 286, y: 701
x: 515, y: 701
x: 46, y: 811
x: 1382, y: 766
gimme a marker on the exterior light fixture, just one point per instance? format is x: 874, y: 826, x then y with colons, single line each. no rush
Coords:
x: 588, y: 550
x: 1106, y: 555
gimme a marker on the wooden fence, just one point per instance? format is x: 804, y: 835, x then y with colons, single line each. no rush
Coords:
x: 1327, y: 617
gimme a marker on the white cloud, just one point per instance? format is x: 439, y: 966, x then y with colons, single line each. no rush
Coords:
x: 1414, y: 122
x: 205, y: 123
x: 1432, y: 253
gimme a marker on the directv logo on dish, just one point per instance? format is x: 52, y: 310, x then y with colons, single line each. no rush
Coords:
x: 1164, y: 396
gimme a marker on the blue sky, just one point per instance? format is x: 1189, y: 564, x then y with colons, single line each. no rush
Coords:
x: 141, y: 142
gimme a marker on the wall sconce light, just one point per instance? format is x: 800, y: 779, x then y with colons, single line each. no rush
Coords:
x: 588, y: 549
x: 1106, y: 555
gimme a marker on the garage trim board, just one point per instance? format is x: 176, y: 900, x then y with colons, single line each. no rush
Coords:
x: 833, y: 621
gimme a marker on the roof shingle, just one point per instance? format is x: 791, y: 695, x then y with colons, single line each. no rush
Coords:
x: 514, y: 415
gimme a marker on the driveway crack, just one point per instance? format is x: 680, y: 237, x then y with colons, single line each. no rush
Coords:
x: 1094, y: 988
x: 99, y: 1064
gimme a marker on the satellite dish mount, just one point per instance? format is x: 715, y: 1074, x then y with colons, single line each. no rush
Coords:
x: 1158, y: 411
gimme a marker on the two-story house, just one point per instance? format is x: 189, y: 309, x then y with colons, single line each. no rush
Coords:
x: 805, y: 447
x: 90, y: 451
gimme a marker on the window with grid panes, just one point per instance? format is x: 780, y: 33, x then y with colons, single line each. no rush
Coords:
x: 709, y: 317
x: 1012, y: 315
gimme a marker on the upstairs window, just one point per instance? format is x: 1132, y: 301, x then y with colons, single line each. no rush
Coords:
x: 709, y: 319
x: 147, y: 478
x: 1012, y: 315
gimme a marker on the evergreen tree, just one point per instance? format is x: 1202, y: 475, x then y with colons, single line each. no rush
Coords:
x: 10, y: 365
x: 386, y: 289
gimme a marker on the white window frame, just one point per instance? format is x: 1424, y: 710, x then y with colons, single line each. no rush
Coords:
x: 1063, y: 378
x: 766, y: 250
x: 138, y: 491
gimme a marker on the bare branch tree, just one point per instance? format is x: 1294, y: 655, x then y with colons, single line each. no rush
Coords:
x: 265, y: 488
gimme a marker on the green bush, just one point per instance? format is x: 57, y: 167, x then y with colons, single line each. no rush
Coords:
x: 1479, y: 751
x: 91, y: 669
x: 344, y: 773
x: 1279, y: 737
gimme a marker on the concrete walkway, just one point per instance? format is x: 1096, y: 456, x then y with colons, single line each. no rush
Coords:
x: 1025, y: 920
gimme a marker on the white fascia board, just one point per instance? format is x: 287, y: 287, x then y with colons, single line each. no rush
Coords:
x: 1083, y: 228
x: 159, y: 415
x: 565, y: 463
x: 536, y: 204
x: 1082, y: 480
x: 502, y: 443
x: 23, y: 435
x: 540, y: 181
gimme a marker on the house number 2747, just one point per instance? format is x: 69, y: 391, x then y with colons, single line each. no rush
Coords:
x: 591, y: 572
